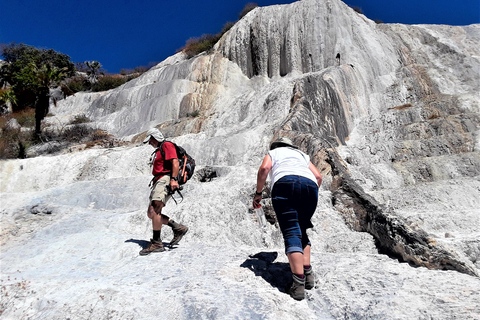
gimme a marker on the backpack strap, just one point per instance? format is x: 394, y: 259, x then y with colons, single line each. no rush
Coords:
x: 178, y: 157
x: 184, y: 174
x: 161, y: 148
x: 152, y: 159
x: 170, y: 192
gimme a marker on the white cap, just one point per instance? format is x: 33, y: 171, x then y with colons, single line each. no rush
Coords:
x: 154, y: 133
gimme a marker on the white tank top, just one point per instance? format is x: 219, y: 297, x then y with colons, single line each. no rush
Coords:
x: 289, y: 161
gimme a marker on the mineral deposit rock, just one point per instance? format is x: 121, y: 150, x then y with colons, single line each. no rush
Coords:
x: 390, y: 115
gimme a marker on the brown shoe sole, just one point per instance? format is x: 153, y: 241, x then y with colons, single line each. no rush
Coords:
x: 179, y: 237
x: 146, y: 251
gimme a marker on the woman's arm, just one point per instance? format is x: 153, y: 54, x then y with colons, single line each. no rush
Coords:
x: 262, y: 174
x: 316, y: 173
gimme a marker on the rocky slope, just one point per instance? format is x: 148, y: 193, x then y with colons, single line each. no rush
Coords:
x: 389, y: 113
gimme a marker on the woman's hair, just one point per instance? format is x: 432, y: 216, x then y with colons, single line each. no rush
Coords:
x: 282, y: 142
x: 278, y: 145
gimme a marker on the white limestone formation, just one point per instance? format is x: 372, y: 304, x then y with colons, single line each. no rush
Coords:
x: 390, y: 115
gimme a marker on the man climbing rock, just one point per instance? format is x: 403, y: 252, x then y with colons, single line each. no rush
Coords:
x: 165, y: 170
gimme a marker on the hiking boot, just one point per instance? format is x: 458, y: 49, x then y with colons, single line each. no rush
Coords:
x: 178, y: 234
x: 154, y: 246
x: 297, y: 289
x: 309, y: 278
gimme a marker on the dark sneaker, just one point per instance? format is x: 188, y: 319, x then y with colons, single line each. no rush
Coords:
x: 178, y: 234
x: 309, y: 278
x: 297, y: 289
x: 154, y: 246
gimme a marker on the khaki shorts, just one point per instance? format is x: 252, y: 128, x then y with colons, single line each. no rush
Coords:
x: 160, y: 191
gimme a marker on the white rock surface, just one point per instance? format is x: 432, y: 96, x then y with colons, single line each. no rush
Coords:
x: 401, y: 108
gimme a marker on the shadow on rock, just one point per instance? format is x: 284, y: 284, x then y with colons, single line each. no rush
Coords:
x: 144, y: 243
x: 276, y: 273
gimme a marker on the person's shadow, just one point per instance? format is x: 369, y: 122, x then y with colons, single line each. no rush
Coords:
x: 145, y: 243
x: 278, y: 274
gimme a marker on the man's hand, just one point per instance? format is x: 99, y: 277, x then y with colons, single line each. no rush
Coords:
x: 174, y: 184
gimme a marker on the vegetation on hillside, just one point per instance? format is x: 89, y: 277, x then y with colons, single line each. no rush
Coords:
x: 17, y: 135
x: 360, y: 11
x: 195, y: 46
x: 27, y: 75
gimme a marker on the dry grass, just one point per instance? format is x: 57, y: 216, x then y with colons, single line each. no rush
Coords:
x: 246, y: 9
x: 402, y: 107
x: 434, y: 115
x: 13, y: 290
x: 78, y: 119
x: 13, y: 141
x: 195, y: 46
x: 25, y: 118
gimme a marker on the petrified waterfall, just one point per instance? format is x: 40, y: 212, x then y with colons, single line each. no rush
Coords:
x: 390, y: 115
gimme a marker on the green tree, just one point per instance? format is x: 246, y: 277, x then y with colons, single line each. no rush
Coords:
x: 8, y: 97
x: 30, y: 73
x: 43, y: 79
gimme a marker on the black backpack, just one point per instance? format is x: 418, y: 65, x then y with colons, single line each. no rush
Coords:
x: 186, y: 164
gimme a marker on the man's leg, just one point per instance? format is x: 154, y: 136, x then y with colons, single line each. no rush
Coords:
x: 179, y: 230
x: 158, y: 219
x: 154, y: 212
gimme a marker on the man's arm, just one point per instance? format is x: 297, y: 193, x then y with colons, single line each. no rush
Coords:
x: 175, y: 168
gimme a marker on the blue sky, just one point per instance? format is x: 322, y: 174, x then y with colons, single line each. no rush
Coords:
x: 124, y: 34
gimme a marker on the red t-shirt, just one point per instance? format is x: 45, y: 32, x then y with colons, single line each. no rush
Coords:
x: 162, y: 166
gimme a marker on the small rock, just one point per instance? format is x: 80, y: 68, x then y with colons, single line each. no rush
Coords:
x: 13, y: 124
x: 40, y: 209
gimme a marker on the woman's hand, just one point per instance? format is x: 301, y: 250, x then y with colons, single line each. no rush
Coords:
x: 256, y: 201
x: 316, y: 173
